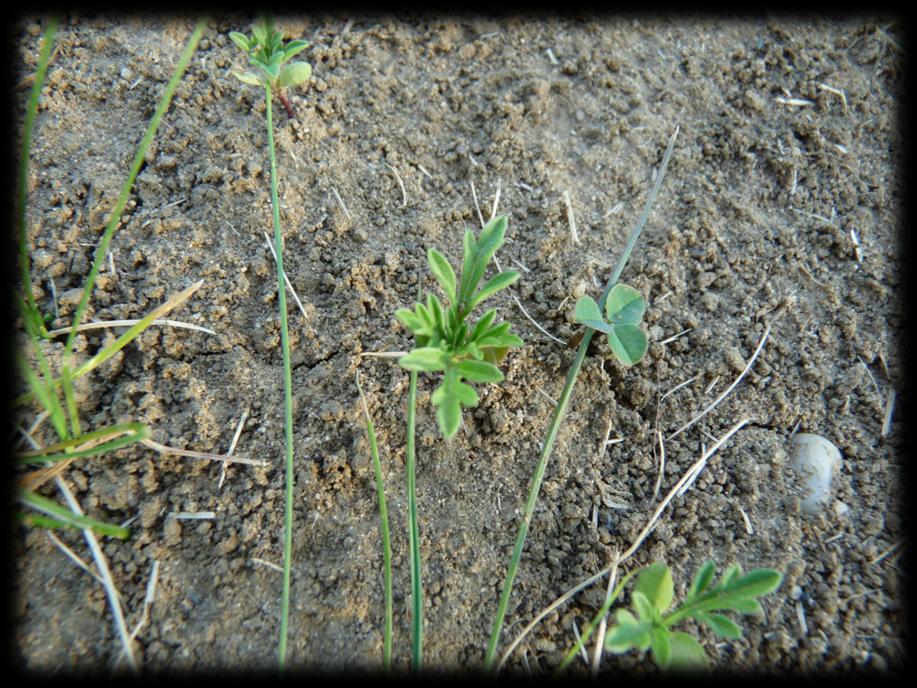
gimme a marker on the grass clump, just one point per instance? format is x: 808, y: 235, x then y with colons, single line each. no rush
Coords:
x: 54, y: 392
x: 268, y: 53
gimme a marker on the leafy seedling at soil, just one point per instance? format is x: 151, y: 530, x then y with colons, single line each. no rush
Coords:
x: 445, y: 343
x: 266, y: 51
x: 648, y: 624
x: 624, y: 308
x: 628, y: 350
x: 55, y: 395
x: 268, y: 54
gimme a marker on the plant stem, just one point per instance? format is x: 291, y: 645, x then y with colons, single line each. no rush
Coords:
x: 287, y: 392
x: 31, y: 111
x: 386, y: 539
x: 558, y: 416
x: 413, y: 532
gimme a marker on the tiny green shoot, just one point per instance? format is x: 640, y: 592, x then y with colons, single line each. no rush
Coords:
x: 445, y: 342
x: 624, y: 309
x: 268, y: 54
x: 648, y: 623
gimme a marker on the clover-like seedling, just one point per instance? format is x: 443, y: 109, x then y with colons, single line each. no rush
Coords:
x: 267, y: 53
x: 444, y: 340
x: 624, y: 309
x: 648, y: 626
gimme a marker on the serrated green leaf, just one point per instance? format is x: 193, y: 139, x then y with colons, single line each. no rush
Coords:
x: 443, y: 272
x: 743, y: 605
x: 625, y: 305
x: 661, y: 645
x: 756, y: 583
x: 479, y: 371
x: 721, y: 625
x: 731, y: 575
x: 685, y: 653
x: 449, y: 417
x: 482, y: 325
x: 409, y: 319
x: 655, y: 581
x: 702, y: 579
x: 502, y: 341
x: 628, y: 343
x: 485, y: 247
x: 294, y: 74
x: 626, y: 634
x: 241, y: 40
x: 428, y: 359
x: 436, y: 310
x: 248, y: 78
x: 294, y: 48
x: 493, y: 285
x: 645, y: 609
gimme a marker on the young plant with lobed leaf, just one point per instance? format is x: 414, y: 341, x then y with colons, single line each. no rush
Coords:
x: 446, y: 343
x: 649, y: 625
x: 267, y: 52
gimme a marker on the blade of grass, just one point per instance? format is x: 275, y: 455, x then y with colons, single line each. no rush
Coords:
x: 386, y: 540
x: 68, y: 518
x: 287, y: 390
x: 413, y: 531
x: 102, y: 247
x: 121, y: 436
x: 558, y: 416
x: 122, y: 341
x: 29, y: 125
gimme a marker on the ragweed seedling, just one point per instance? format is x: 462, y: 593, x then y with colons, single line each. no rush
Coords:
x: 649, y: 625
x: 444, y: 340
x: 267, y: 53
x: 624, y: 309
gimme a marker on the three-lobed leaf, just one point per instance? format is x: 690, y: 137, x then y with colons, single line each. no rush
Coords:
x: 624, y: 308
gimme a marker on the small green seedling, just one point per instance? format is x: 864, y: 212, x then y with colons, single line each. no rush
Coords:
x: 267, y: 53
x: 648, y: 626
x: 624, y: 308
x: 444, y: 340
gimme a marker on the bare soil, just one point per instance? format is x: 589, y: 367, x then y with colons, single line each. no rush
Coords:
x: 781, y: 209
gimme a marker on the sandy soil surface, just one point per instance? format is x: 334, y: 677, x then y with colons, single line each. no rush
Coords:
x: 780, y: 210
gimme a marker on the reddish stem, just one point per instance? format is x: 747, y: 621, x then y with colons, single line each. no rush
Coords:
x: 286, y: 104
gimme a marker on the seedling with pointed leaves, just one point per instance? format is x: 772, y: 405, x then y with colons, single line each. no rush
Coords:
x: 624, y: 309
x: 648, y: 625
x: 267, y: 53
x: 445, y: 342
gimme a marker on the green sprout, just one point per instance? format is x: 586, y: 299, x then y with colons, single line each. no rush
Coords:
x: 648, y: 626
x: 444, y: 340
x: 267, y: 53
x: 624, y: 309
